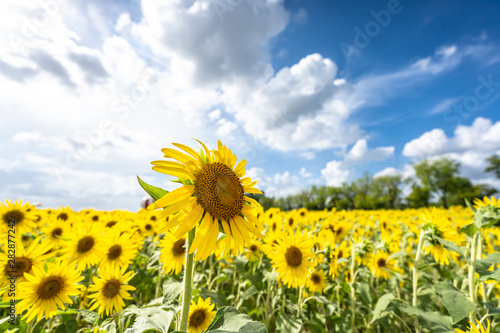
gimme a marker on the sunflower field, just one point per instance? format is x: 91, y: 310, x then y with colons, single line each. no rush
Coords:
x: 207, y: 258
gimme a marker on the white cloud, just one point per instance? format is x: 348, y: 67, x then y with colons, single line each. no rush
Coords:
x: 443, y: 106
x: 470, y: 145
x: 360, y: 153
x: 303, y: 172
x: 279, y: 185
x: 335, y: 173
x: 123, y: 21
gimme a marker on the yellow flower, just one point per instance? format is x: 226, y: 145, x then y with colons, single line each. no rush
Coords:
x: 341, y: 251
x: 16, y: 260
x: 254, y: 250
x: 292, y: 259
x: 18, y: 215
x: 172, y: 253
x: 476, y: 329
x: 317, y: 281
x: 119, y: 248
x: 55, y: 231
x: 486, y: 202
x: 110, y: 289
x: 201, y: 315
x: 381, y: 267
x: 212, y: 195
x: 42, y: 291
x: 86, y: 245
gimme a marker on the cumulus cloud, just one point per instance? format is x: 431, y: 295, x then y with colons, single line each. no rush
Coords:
x: 335, y: 173
x: 360, y: 153
x: 279, y: 185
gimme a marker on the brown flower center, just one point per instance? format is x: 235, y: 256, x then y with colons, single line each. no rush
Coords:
x: 253, y: 248
x: 95, y: 218
x: 50, y: 287
x: 56, y: 232
x: 148, y: 227
x: 111, y: 288
x: 110, y: 224
x: 178, y: 249
x: 218, y: 190
x: 114, y: 252
x: 62, y: 216
x: 315, y: 278
x: 13, y: 215
x: 197, y: 318
x: 293, y: 256
x: 22, y: 265
x: 85, y: 244
x: 290, y: 221
x: 381, y: 262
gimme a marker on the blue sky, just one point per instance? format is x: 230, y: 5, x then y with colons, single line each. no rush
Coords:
x: 309, y: 92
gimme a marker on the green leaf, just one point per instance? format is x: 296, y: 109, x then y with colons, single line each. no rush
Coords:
x: 470, y: 230
x: 249, y: 293
x: 155, y: 192
x: 228, y: 319
x: 382, y: 303
x: 287, y: 324
x: 493, y: 276
x: 216, y: 298
x: 483, y: 265
x: 171, y: 290
x: 90, y: 317
x: 456, y: 303
x: 451, y: 246
x: 397, y: 255
x: 433, y: 321
x: 363, y: 289
x: 467, y: 202
x: 108, y: 325
x: 341, y: 260
x: 154, y: 318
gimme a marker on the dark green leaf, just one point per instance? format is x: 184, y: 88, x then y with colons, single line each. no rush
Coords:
x: 153, y: 318
x: 90, y: 317
x: 493, y: 276
x: 470, y: 230
x: 382, y: 303
x: 155, y: 192
x: 456, y: 303
x: 433, y: 321
x: 287, y: 324
x: 451, y: 246
x: 228, y: 319
x: 363, y: 289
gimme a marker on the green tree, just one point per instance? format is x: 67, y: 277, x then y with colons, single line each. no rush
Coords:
x: 419, y: 197
x: 439, y: 177
x: 387, y: 191
x: 494, y: 165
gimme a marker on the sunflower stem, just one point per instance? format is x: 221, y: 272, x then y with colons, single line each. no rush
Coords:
x: 415, y: 275
x: 159, y: 283
x: 300, y: 302
x: 188, y: 281
x: 479, y: 257
x: 472, y: 276
x: 353, y: 292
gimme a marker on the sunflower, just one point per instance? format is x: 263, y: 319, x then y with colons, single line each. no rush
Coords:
x: 86, y: 245
x: 381, y: 267
x: 200, y: 315
x: 26, y: 259
x: 172, y: 253
x: 15, y: 213
x: 340, y: 252
x: 119, y: 249
x: 110, y: 289
x: 292, y: 259
x: 476, y: 329
x: 317, y: 281
x: 254, y: 250
x: 55, y: 231
x: 213, y: 195
x: 42, y: 291
x: 64, y: 214
x: 493, y: 202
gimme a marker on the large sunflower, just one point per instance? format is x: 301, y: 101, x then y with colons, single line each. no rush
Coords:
x: 292, y: 259
x: 200, y: 315
x: 111, y: 289
x: 44, y: 291
x: 213, y: 194
x: 381, y: 267
x: 476, y: 329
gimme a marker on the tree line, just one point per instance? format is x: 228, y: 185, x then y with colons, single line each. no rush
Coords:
x: 436, y: 183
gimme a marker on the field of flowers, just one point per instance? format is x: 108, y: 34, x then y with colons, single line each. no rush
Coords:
x: 213, y: 261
